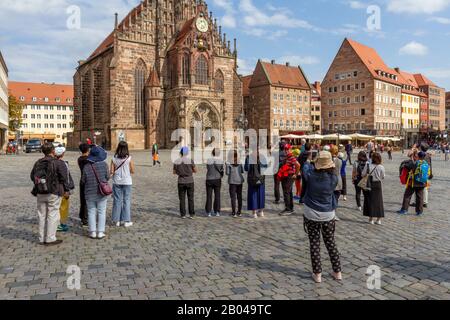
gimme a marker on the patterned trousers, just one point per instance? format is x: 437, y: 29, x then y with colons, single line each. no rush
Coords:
x: 314, y: 229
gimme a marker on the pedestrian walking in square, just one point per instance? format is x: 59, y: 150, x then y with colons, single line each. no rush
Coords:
x: 235, y: 171
x: 155, y: 154
x: 214, y: 175
x: 122, y: 169
x: 49, y: 188
x: 334, y: 150
x: 95, y: 177
x: 319, y: 214
x: 184, y: 168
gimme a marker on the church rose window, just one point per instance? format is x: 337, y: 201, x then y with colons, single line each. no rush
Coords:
x: 139, y: 93
x: 219, y: 81
x: 201, y: 70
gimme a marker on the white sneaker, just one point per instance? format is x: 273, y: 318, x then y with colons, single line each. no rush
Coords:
x: 93, y: 235
x: 372, y: 222
x: 255, y: 216
x: 117, y: 224
x: 101, y: 235
x: 217, y: 214
x: 128, y: 224
x: 337, y: 218
x: 345, y: 198
x: 378, y: 222
x: 209, y: 214
x: 360, y: 208
x: 261, y: 214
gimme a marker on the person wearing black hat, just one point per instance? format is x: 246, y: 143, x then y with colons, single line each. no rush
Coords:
x: 95, y: 172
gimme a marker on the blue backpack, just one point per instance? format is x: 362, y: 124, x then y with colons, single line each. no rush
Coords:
x: 422, y: 172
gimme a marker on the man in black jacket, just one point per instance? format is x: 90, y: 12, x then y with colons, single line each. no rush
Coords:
x: 49, y: 187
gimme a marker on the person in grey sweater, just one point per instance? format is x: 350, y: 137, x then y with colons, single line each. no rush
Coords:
x: 234, y: 171
x: 96, y: 203
x: 214, y: 176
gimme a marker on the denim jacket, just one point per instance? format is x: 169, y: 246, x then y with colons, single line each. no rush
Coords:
x: 320, y: 190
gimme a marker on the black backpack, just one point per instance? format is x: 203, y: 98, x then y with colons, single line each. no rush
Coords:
x: 44, y: 177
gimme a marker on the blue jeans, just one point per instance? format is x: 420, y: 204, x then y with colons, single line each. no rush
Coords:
x: 122, y: 203
x: 97, y: 207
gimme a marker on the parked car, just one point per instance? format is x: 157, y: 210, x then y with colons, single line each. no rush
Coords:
x: 33, y: 145
x: 57, y: 144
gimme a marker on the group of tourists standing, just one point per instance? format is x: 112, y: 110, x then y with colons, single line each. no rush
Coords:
x: 319, y: 175
x: 53, y: 187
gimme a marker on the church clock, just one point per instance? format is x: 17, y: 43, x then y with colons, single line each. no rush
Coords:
x: 202, y: 24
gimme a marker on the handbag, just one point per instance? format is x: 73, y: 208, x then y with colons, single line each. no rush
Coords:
x: 366, y: 182
x: 104, y: 188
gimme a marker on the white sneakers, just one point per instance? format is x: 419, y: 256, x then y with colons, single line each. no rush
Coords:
x: 125, y: 224
x: 94, y: 235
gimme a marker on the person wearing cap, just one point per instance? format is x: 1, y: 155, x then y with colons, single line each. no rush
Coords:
x: 96, y: 203
x: 68, y: 185
x: 184, y: 168
x: 287, y: 174
x: 320, y: 213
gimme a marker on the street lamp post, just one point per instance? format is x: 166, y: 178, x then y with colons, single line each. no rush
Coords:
x: 338, y: 135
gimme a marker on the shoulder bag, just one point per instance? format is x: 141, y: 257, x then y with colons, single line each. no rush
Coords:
x: 104, y: 188
x: 366, y: 182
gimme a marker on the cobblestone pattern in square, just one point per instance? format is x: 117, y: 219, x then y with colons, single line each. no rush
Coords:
x: 164, y: 257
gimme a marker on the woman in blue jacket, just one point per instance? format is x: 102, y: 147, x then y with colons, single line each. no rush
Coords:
x: 320, y: 212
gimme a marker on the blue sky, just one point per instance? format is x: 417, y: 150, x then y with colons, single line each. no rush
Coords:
x: 414, y: 34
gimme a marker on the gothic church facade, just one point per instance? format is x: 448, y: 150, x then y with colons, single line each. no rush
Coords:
x: 166, y: 66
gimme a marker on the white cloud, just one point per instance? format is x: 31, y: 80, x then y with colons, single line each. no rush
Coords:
x: 414, y: 49
x: 417, y: 6
x: 246, y: 66
x: 357, y: 5
x: 296, y: 60
x: 262, y: 33
x: 440, y: 20
x: 228, y: 20
x: 255, y: 17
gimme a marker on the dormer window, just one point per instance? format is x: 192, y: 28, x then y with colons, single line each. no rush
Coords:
x: 22, y: 98
x: 57, y: 99
x: 34, y: 99
x: 46, y: 99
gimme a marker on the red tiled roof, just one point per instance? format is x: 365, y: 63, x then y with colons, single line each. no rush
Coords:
x: 423, y: 81
x: 109, y: 41
x: 409, y: 79
x: 316, y: 86
x: 246, y: 85
x: 41, y: 91
x: 373, y: 61
x: 106, y: 44
x: 285, y: 76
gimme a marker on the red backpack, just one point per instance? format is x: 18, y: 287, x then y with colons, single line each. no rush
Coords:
x: 404, y: 176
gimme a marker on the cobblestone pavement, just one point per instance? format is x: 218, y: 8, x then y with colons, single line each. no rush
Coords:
x: 164, y: 257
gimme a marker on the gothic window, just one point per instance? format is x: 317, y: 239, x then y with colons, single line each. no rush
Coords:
x: 201, y: 71
x: 219, y: 81
x: 139, y: 93
x: 185, y: 65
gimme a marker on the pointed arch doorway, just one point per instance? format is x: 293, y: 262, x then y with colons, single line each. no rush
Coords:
x: 202, y: 118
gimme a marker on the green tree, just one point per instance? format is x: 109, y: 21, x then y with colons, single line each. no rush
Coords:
x: 15, y: 113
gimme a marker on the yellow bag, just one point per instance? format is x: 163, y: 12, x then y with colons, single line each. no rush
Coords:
x: 64, y: 210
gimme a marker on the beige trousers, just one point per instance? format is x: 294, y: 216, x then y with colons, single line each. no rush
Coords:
x: 48, y: 211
